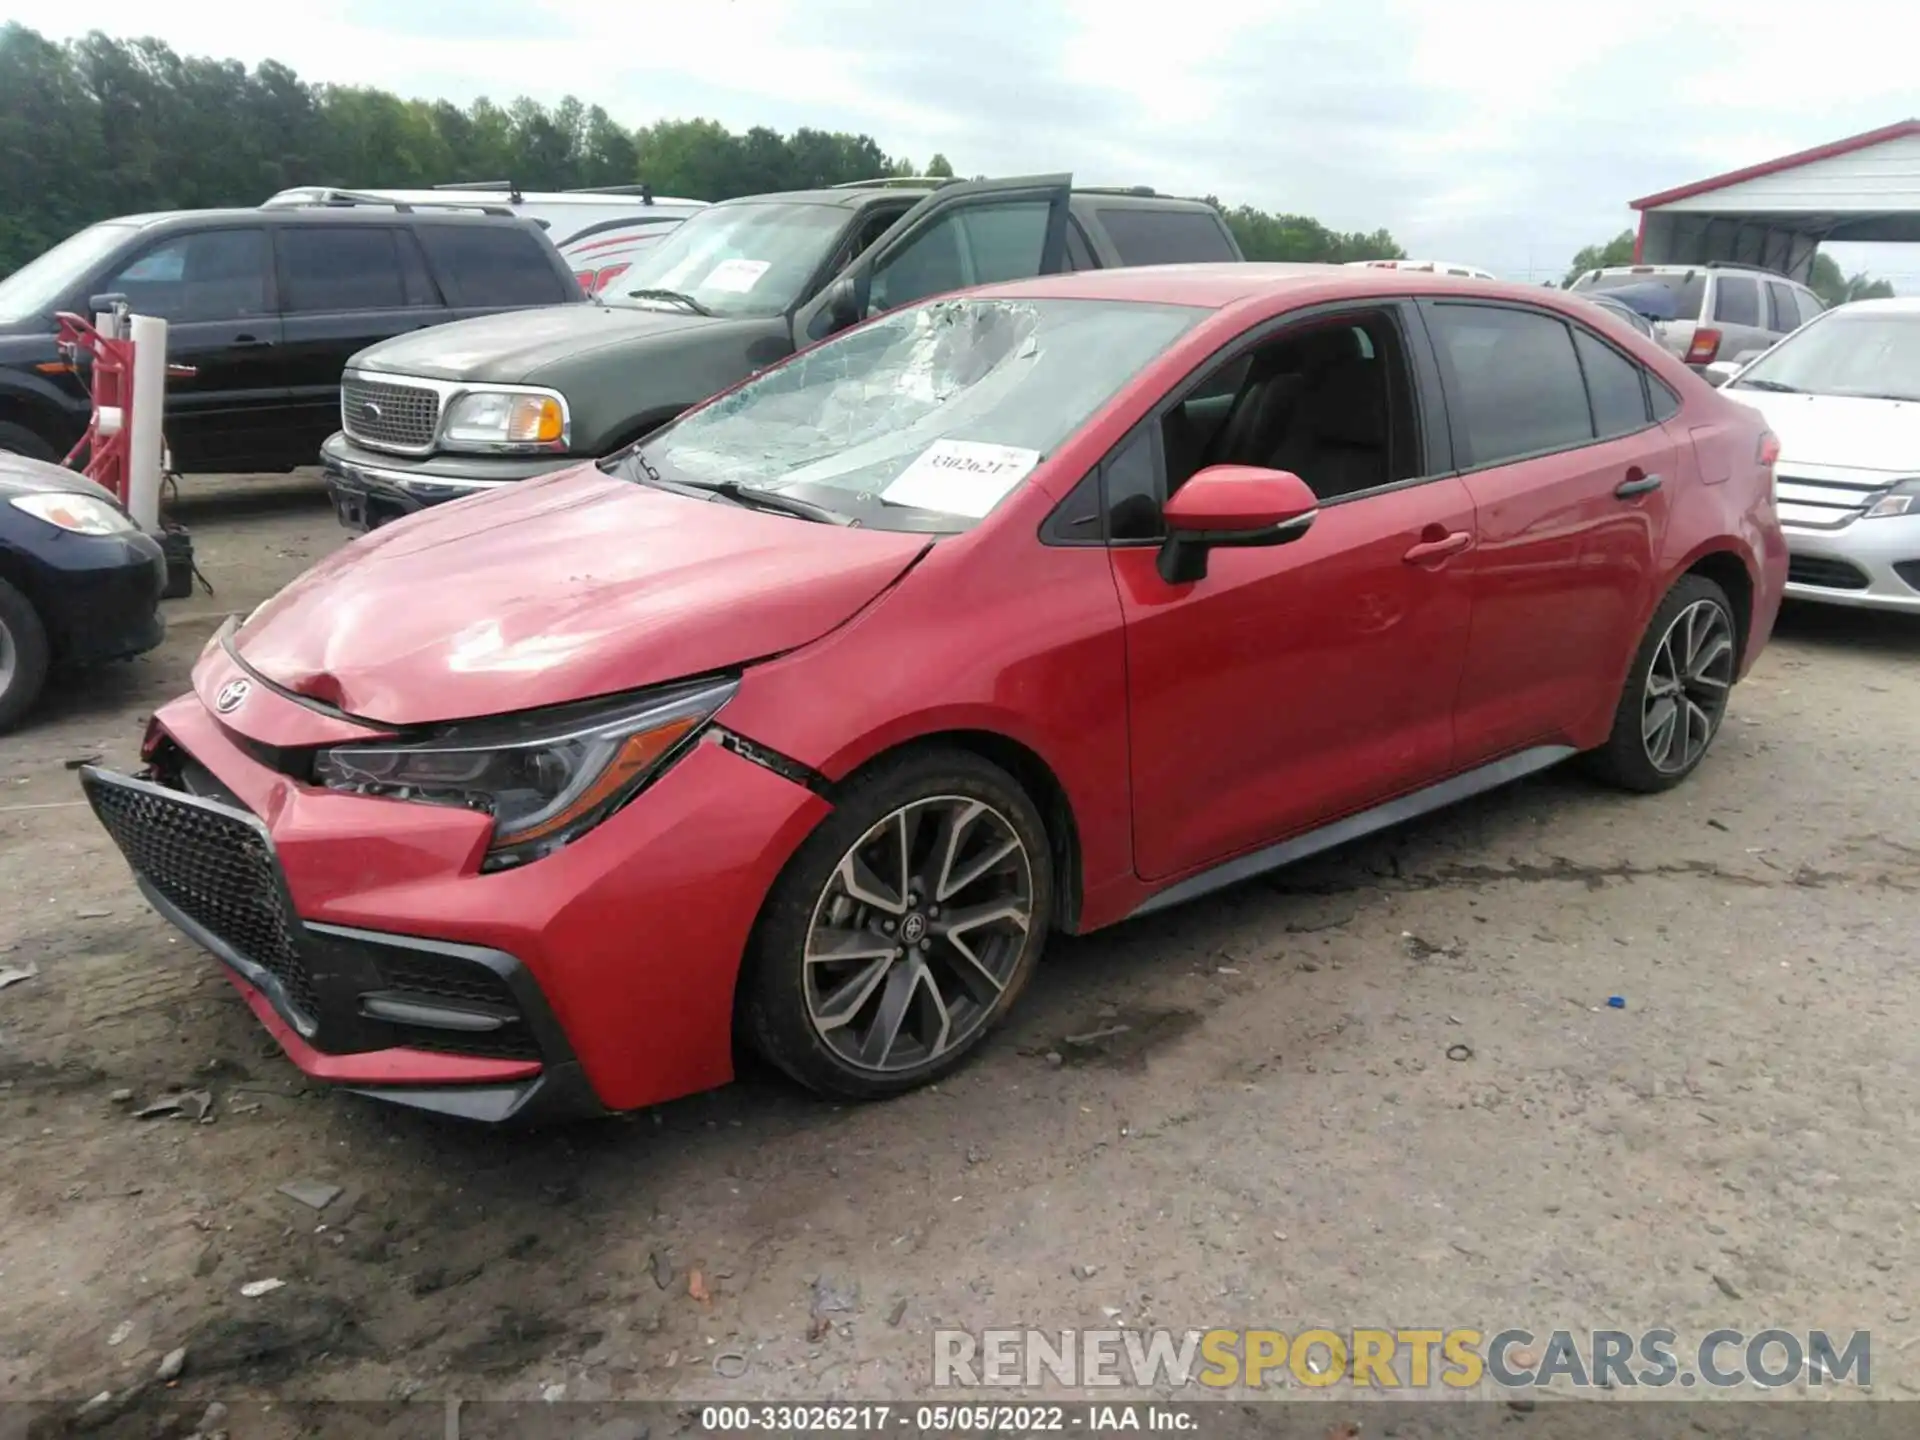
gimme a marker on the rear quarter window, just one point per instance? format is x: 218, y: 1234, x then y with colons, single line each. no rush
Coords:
x: 1164, y: 237
x: 492, y: 265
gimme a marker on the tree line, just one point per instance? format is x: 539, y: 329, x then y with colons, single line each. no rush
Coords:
x: 1833, y: 285
x: 99, y: 127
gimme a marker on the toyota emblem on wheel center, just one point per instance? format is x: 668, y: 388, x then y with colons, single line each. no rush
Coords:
x: 231, y: 695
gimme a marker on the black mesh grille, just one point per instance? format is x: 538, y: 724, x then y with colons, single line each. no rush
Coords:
x: 405, y: 416
x: 1825, y: 571
x: 216, y: 868
x: 1909, y: 571
x: 456, y: 982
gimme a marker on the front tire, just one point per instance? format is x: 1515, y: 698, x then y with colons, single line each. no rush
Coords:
x: 1676, y: 693
x: 903, y: 929
x: 23, y: 656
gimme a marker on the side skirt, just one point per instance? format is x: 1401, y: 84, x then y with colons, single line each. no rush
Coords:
x: 1353, y: 827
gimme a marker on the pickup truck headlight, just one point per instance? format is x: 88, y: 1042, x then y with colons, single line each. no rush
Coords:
x: 546, y: 777
x: 507, y: 422
x: 82, y: 514
x: 1902, y: 499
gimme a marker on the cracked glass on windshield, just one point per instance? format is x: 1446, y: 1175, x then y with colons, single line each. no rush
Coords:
x: 750, y: 259
x: 926, y: 418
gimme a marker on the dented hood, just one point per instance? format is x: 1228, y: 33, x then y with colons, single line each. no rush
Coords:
x: 564, y: 588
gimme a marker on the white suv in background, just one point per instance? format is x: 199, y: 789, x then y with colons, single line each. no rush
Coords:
x: 1704, y: 313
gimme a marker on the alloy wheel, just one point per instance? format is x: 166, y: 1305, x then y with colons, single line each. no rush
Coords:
x: 1687, y: 686
x: 917, y: 933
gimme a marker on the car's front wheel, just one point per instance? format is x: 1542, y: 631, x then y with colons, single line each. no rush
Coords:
x: 23, y: 655
x: 1676, y: 694
x: 903, y: 929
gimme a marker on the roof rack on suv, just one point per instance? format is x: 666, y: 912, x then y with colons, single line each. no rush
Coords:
x: 328, y: 195
x: 1740, y: 265
x: 1116, y: 190
x: 513, y: 190
x: 882, y: 182
x: 645, y: 192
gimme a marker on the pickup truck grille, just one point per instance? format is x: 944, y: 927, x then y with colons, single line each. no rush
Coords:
x: 389, y: 416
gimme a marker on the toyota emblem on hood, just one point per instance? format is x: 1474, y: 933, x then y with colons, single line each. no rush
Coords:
x: 232, y: 695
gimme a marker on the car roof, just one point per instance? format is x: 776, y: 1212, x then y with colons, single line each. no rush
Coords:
x: 1219, y: 284
x: 853, y: 196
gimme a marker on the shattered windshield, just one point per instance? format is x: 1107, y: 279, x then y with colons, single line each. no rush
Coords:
x: 926, y: 418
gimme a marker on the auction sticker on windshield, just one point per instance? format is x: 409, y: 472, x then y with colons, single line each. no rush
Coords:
x: 736, y: 275
x: 961, y: 477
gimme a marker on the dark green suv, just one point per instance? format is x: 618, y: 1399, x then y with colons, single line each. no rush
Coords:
x: 446, y: 411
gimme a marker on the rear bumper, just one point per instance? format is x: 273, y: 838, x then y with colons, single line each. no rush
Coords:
x: 371, y: 489
x: 1869, y: 564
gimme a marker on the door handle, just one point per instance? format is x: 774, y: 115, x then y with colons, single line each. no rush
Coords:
x: 1636, y: 484
x: 251, y: 340
x: 1451, y: 544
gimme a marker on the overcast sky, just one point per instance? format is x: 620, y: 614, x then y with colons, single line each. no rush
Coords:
x: 1496, y: 132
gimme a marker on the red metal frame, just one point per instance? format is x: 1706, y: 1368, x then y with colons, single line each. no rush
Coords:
x: 110, y: 366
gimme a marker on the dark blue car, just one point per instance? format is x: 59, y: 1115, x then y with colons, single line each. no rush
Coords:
x: 80, y: 583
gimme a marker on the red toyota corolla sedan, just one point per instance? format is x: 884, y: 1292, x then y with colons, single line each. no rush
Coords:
x: 804, y: 722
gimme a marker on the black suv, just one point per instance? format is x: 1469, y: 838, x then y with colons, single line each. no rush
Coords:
x: 728, y: 292
x: 265, y: 306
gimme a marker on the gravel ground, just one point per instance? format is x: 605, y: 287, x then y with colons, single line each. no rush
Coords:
x: 1278, y: 1138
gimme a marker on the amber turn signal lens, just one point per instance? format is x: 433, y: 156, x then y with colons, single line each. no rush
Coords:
x: 535, y: 420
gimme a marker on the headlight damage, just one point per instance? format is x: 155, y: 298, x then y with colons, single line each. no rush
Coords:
x: 546, y: 778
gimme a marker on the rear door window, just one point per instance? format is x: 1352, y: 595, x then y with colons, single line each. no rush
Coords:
x: 1736, y: 300
x: 1516, y: 387
x: 492, y: 265
x: 1164, y: 237
x: 1613, y: 385
x: 333, y: 268
x: 1808, y: 304
x: 209, y: 275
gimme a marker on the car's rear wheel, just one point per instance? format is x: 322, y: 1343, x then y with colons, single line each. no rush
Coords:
x: 1676, y: 694
x: 903, y: 929
x: 23, y: 655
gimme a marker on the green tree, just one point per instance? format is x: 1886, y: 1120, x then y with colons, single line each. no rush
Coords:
x: 1302, y: 239
x: 1834, y: 287
x: 940, y: 166
x: 1617, y: 251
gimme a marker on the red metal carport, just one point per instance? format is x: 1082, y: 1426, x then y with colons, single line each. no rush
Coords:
x: 1779, y: 212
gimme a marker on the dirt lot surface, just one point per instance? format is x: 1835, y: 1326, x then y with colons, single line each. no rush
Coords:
x: 1278, y: 1136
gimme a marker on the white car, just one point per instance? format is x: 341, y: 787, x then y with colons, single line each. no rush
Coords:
x: 1427, y: 267
x: 1843, y: 395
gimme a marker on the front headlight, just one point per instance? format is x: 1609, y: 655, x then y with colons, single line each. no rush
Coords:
x: 1902, y: 499
x: 507, y: 421
x: 547, y: 777
x: 82, y: 514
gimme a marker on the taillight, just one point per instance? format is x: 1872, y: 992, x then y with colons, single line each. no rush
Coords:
x: 1705, y: 345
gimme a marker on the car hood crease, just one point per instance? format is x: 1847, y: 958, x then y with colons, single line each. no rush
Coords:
x: 564, y: 588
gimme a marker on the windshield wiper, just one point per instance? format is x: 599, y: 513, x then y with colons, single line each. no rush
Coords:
x: 675, y: 296
x: 1780, y: 386
x: 757, y: 499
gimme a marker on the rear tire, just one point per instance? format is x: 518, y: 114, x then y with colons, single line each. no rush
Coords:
x: 1676, y: 693
x: 23, y: 656
x: 902, y: 930
x: 22, y: 441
